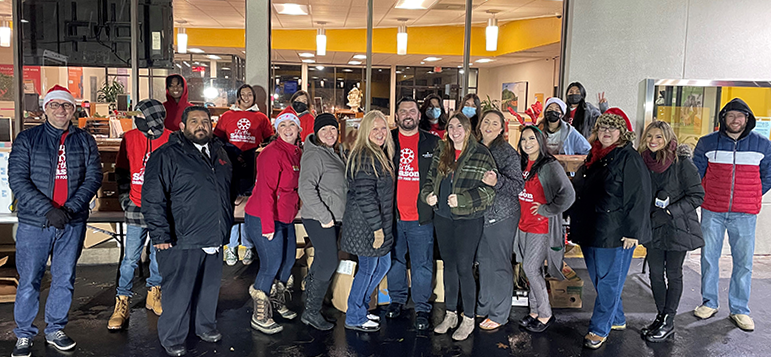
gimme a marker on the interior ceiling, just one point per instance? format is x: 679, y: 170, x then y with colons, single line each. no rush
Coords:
x: 353, y: 13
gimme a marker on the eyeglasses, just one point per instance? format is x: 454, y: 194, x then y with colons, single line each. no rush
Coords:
x: 606, y: 128
x: 56, y: 106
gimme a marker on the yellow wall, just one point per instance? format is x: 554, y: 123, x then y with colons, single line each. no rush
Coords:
x: 759, y: 99
x: 437, y: 41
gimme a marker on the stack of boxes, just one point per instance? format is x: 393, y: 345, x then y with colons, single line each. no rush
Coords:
x: 107, y: 196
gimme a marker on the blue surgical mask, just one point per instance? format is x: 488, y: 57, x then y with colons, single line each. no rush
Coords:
x: 469, y: 111
x: 434, y: 113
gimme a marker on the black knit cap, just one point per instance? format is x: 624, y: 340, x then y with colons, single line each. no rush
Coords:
x: 324, y: 120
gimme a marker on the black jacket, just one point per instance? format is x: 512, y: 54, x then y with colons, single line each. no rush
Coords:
x: 187, y: 201
x: 369, y: 207
x: 426, y: 145
x: 612, y: 201
x: 677, y: 227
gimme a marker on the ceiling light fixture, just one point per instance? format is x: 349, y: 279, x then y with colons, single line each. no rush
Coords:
x: 347, y: 70
x: 291, y: 9
x: 308, y: 61
x: 306, y: 55
x: 401, y: 38
x: 360, y: 57
x: 320, y: 68
x: 214, y: 57
x: 182, y: 40
x: 491, y: 32
x: 415, y: 4
x: 484, y: 60
x: 321, y: 40
x: 432, y: 59
x: 195, y: 50
x: 355, y: 63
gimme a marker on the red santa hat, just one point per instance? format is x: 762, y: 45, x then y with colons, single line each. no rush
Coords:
x: 58, y: 92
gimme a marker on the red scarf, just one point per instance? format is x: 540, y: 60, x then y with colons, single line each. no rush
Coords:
x: 655, y: 165
x: 598, y: 153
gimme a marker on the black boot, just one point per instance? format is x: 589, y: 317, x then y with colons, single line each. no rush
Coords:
x: 653, y: 326
x: 314, y: 296
x: 666, y: 329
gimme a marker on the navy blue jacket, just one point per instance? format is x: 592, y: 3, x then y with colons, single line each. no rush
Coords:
x: 32, y: 169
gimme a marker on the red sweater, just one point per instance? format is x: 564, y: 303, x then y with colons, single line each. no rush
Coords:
x: 134, y: 152
x: 306, y: 122
x: 243, y: 128
x: 274, y: 197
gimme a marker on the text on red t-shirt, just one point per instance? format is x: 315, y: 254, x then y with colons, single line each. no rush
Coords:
x: 60, y: 181
x: 533, y: 193
x: 409, y: 178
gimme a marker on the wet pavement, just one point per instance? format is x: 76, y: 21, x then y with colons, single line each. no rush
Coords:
x: 94, y: 298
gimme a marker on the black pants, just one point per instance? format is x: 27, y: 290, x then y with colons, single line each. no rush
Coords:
x: 191, y: 287
x: 324, y: 264
x: 666, y: 294
x: 458, y: 241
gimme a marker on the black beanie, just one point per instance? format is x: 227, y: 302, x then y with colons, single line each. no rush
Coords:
x: 324, y: 120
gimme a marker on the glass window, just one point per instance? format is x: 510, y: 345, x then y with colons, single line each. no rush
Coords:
x: 419, y: 82
x: 321, y: 87
x: 286, y: 81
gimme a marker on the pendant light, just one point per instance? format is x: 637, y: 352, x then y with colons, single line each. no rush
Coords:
x: 401, y: 38
x: 491, y: 32
x: 321, y: 40
x: 181, y: 40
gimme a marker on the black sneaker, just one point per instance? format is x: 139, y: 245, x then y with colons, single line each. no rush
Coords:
x: 422, y: 320
x: 393, y: 310
x: 23, y: 348
x: 60, y: 341
x: 527, y: 320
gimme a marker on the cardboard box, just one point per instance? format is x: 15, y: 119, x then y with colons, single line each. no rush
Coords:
x: 97, y: 233
x: 8, y: 286
x: 566, y: 293
x: 108, y: 190
x: 438, y: 283
x: 108, y: 204
x: 341, y: 284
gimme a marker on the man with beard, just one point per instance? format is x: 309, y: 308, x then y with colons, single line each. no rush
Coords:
x: 735, y: 165
x: 187, y: 204
x: 414, y: 218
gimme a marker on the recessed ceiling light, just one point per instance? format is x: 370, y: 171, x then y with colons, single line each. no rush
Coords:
x: 225, y: 68
x: 354, y: 62
x: 306, y: 55
x: 309, y: 61
x: 432, y: 59
x: 275, y: 67
x: 398, y: 72
x: 421, y: 62
x: 195, y: 50
x: 415, y: 4
x: 314, y: 77
x: 360, y: 56
x: 347, y: 70
x: 244, y: 52
x: 291, y: 9
x: 320, y: 68
x: 484, y: 60
x: 214, y: 57
x: 24, y: 21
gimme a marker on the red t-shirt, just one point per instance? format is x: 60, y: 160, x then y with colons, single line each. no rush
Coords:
x: 571, y: 115
x: 60, y: 182
x: 436, y: 131
x: 533, y: 193
x: 133, y: 155
x: 409, y: 178
x: 244, y: 129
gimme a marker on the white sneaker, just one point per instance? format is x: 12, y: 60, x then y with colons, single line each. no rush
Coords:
x: 231, y: 256
x: 743, y: 321
x: 704, y: 312
x: 373, y: 317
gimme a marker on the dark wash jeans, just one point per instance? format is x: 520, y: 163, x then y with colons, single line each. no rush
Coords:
x: 277, y: 256
x: 419, y: 241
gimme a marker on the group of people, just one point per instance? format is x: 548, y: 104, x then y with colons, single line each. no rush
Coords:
x: 446, y: 177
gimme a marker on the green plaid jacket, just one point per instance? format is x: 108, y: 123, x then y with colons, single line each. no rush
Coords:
x: 474, y: 197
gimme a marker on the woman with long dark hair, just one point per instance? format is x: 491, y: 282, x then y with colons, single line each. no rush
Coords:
x: 677, y: 192
x: 455, y: 189
x: 433, y: 117
x: 471, y: 107
x: 540, y: 234
x: 300, y: 104
x: 496, y: 276
x: 322, y: 189
x: 369, y: 215
x: 583, y: 114
x: 610, y: 217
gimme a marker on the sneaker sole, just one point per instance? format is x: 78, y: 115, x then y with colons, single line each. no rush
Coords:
x: 656, y: 340
x: 362, y: 329
x: 114, y: 328
x: 265, y: 330
x: 65, y: 348
x: 308, y: 323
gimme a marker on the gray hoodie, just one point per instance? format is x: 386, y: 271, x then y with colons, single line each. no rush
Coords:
x: 322, y: 185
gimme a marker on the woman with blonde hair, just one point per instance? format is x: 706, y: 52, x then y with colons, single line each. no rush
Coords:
x: 455, y: 189
x: 676, y: 194
x: 368, y: 217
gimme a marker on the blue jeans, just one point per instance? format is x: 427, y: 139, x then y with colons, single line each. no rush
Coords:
x: 371, y: 271
x: 419, y: 241
x: 277, y: 256
x: 741, y: 237
x: 607, y: 269
x: 239, y: 231
x: 135, y: 242
x: 33, y: 247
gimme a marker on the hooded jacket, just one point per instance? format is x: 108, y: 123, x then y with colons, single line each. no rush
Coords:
x: 135, y: 149
x: 735, y: 173
x: 322, y: 185
x: 174, y: 109
x: 306, y: 121
x: 32, y: 167
x: 571, y: 141
x: 245, y: 129
x: 186, y: 200
x: 275, y: 197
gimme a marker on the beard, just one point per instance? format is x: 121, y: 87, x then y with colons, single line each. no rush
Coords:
x: 410, y: 126
x: 194, y: 137
x: 741, y: 130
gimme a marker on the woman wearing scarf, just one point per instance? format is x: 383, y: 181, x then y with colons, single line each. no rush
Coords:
x: 677, y: 192
x: 610, y: 217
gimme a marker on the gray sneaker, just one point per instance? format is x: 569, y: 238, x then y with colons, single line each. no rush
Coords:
x: 231, y: 256
x: 248, y: 257
x: 60, y: 340
x: 23, y: 348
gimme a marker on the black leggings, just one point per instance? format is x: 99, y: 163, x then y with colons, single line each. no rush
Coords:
x: 666, y: 294
x: 324, y: 264
x: 458, y: 241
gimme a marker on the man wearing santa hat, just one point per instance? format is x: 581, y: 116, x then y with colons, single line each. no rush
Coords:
x: 54, y: 171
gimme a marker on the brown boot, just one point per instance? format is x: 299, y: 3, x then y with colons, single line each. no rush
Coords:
x: 154, y: 300
x: 262, y: 318
x: 120, y: 315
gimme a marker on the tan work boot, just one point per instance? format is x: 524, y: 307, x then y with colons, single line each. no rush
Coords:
x: 262, y: 318
x: 450, y: 321
x: 154, y: 300
x: 120, y: 315
x: 465, y: 329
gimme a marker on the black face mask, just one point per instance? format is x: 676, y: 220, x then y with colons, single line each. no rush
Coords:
x: 574, y: 98
x: 552, y: 116
x: 299, y: 107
